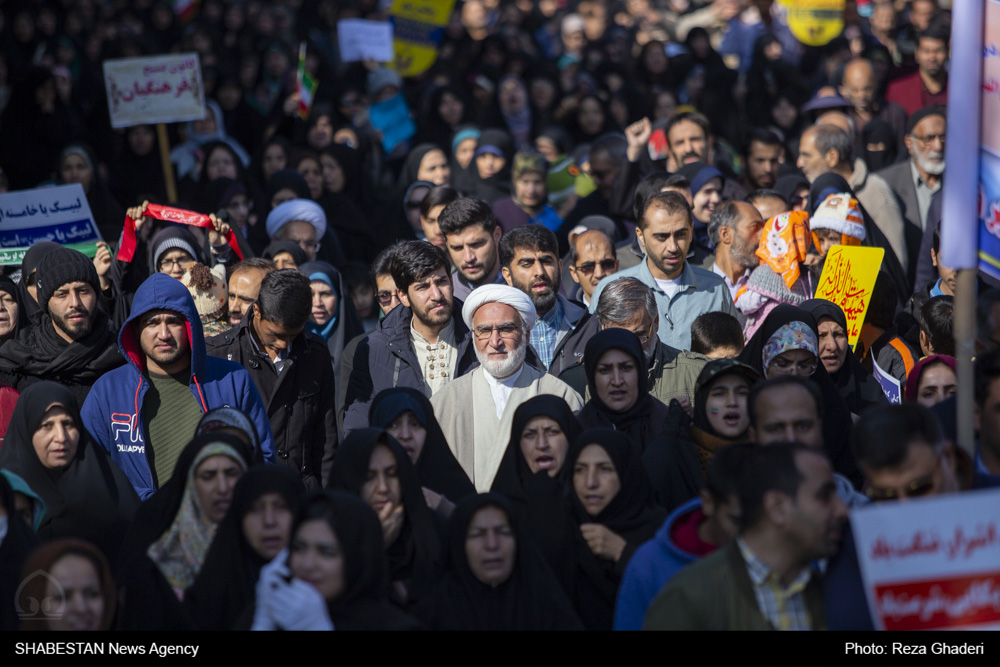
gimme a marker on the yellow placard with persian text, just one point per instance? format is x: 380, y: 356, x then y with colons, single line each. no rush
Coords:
x: 815, y: 22
x: 418, y: 26
x: 848, y: 280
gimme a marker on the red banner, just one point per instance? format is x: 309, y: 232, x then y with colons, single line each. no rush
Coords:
x: 169, y: 214
x: 937, y: 603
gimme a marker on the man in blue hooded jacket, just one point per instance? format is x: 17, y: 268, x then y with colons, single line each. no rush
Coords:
x: 145, y: 412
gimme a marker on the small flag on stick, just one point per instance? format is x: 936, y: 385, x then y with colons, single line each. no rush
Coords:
x: 305, y: 85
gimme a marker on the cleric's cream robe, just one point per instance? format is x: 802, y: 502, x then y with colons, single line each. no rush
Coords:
x: 468, y: 416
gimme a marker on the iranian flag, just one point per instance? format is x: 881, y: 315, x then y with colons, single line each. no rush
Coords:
x: 305, y: 85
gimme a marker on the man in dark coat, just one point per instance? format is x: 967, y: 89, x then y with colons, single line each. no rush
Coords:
x: 70, y: 340
x: 420, y: 344
x: 292, y: 371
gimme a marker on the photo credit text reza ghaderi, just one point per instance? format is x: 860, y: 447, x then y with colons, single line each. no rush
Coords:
x: 104, y: 648
x: 903, y: 648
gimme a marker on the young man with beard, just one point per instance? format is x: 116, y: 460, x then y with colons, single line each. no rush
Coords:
x: 471, y: 234
x: 476, y: 411
x: 71, y: 343
x: 735, y: 229
x: 145, y: 412
x: 419, y: 344
x: 530, y: 260
x: 683, y: 292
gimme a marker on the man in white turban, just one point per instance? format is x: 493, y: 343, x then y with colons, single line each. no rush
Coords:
x: 300, y: 220
x: 476, y: 410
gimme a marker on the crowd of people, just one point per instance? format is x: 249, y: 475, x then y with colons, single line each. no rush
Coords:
x: 541, y: 352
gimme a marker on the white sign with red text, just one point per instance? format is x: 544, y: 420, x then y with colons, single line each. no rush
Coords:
x: 160, y: 89
x: 932, y: 562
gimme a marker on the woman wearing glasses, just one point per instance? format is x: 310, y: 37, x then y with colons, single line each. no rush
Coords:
x: 787, y: 343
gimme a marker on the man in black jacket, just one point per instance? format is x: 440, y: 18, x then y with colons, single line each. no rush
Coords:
x: 292, y: 371
x: 420, y: 344
x: 70, y: 340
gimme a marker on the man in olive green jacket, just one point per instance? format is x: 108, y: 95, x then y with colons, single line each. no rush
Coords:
x: 766, y: 579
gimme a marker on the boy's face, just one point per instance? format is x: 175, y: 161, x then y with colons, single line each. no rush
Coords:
x: 827, y: 239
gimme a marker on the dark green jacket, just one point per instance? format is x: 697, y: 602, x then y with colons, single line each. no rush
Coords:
x: 716, y: 593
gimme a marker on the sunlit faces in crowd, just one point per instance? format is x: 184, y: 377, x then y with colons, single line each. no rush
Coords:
x: 164, y: 340
x: 410, y: 433
x: 302, y: 233
x: 616, y: 380
x: 324, y: 303
x: 937, y: 382
x: 726, y: 405
x: 381, y: 490
x: 268, y: 524
x: 473, y: 251
x: 414, y: 197
x: 489, y: 162
x: 317, y: 558
x: 386, y: 292
x: 56, y: 439
x: 430, y: 298
x: 71, y: 307
x: 537, y: 273
x: 490, y: 546
x: 544, y: 445
x: 74, y: 586
x: 832, y: 344
x: 312, y: 171
x: 8, y: 313
x: 214, y: 481
x: 501, y: 343
x: 175, y: 263
x: 244, y: 287
x: 595, y: 479
x: 465, y: 151
x: 595, y: 259
x: 220, y: 163
x: 434, y: 168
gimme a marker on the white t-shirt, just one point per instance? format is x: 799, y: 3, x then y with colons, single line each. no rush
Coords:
x: 671, y: 287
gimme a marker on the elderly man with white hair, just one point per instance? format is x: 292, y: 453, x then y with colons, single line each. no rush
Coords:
x: 476, y: 410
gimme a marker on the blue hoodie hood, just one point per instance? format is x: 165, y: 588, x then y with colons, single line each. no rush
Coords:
x: 157, y: 292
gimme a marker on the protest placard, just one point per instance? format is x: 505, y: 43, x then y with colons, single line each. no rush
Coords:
x: 360, y: 40
x: 848, y: 280
x: 932, y: 562
x: 890, y: 385
x: 59, y: 214
x: 815, y: 22
x: 160, y: 89
x: 418, y: 27
x: 15, y: 256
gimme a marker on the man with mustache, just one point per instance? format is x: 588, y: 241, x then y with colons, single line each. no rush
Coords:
x: 689, y: 139
x: 72, y: 342
x: 530, y: 260
x: 476, y: 411
x: 915, y: 181
x: 683, y: 292
x: 145, y: 412
x: 420, y: 344
x: 471, y: 234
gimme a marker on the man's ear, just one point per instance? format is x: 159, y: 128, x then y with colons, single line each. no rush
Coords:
x: 638, y: 236
x: 934, y: 258
x: 505, y: 272
x: 497, y: 233
x: 778, y: 507
x: 908, y: 141
x: 831, y: 158
x: 725, y: 235
x: 403, y: 299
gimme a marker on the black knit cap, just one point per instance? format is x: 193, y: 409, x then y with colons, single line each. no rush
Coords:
x: 61, y: 266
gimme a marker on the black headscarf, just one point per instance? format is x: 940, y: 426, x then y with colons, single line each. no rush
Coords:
x: 644, y: 420
x: 363, y: 604
x: 837, y: 422
x: 91, y: 498
x: 14, y: 549
x: 535, y: 498
x: 830, y: 183
x: 436, y: 467
x: 348, y: 324
x: 496, y: 186
x: 631, y: 514
x: 224, y: 588
x: 9, y: 286
x: 291, y: 247
x: 28, y: 265
x: 530, y: 599
x: 858, y: 388
x: 788, y: 184
x: 877, y: 132
x: 415, y: 556
x: 149, y: 601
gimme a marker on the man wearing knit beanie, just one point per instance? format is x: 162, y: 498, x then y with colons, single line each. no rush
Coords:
x: 70, y: 341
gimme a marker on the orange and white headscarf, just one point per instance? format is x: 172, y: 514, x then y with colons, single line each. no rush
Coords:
x: 784, y: 243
